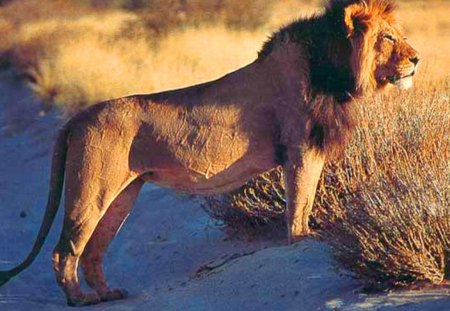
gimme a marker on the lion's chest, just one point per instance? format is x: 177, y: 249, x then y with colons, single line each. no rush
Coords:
x: 210, y: 150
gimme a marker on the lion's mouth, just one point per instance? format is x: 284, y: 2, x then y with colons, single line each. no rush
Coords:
x: 396, y: 78
x: 403, y: 82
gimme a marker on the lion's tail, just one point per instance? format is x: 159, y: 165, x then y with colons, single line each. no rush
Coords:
x: 54, y: 198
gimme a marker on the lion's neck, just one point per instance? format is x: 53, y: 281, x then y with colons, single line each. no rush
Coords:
x: 326, y: 50
x: 325, y: 56
x: 330, y: 79
x: 329, y: 57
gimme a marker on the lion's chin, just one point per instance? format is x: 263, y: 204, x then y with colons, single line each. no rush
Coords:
x: 405, y: 83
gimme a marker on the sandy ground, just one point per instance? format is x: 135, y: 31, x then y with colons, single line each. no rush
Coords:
x: 169, y: 255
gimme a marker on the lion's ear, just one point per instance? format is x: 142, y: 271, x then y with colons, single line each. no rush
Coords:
x: 356, y: 19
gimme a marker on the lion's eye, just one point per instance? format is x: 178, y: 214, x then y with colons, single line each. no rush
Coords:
x: 389, y: 37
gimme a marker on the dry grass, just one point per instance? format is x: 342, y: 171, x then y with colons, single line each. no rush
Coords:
x: 97, y: 74
x: 163, y: 15
x: 68, y: 58
x: 77, y: 61
x: 386, y: 209
x: 256, y: 207
x: 194, y: 55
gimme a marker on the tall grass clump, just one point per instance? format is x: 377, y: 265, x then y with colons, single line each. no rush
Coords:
x: 257, y: 206
x: 387, y: 207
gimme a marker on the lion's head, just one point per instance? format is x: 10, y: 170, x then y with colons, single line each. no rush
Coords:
x: 355, y: 47
x: 381, y: 55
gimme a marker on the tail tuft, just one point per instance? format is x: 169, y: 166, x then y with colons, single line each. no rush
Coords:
x: 4, y: 277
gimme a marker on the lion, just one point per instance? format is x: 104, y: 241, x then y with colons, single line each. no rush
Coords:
x: 294, y: 106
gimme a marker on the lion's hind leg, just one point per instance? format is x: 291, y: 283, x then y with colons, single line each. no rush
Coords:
x: 92, y: 257
x: 90, y: 190
x: 74, y: 237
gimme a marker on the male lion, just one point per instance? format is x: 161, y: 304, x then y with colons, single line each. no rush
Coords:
x: 293, y: 106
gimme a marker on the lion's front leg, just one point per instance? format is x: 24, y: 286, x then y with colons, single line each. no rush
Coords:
x: 302, y: 172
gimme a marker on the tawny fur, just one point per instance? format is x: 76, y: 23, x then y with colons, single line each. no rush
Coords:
x: 294, y: 106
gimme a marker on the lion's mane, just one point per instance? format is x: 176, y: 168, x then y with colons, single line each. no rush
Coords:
x: 341, y: 70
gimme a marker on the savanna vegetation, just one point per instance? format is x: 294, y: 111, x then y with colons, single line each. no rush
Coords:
x: 384, y: 207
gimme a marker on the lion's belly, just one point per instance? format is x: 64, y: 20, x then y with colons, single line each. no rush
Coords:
x: 197, y: 182
x: 208, y: 161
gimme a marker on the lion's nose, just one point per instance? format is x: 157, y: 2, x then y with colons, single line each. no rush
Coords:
x: 415, y: 60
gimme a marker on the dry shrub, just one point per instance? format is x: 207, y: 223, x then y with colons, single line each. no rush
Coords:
x: 19, y: 12
x: 249, y: 14
x: 257, y: 206
x: 396, y: 234
x: 194, y: 55
x: 387, y: 202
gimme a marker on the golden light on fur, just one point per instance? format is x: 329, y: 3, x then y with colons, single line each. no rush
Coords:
x: 366, y: 22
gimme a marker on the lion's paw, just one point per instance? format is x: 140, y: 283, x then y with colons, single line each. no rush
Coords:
x: 84, y: 300
x: 297, y: 237
x: 114, y: 294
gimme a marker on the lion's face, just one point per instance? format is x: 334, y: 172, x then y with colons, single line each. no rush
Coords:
x: 395, y: 60
x: 381, y: 54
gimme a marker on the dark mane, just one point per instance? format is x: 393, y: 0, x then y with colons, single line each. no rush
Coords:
x: 325, y: 42
x: 339, y: 64
x: 327, y: 49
